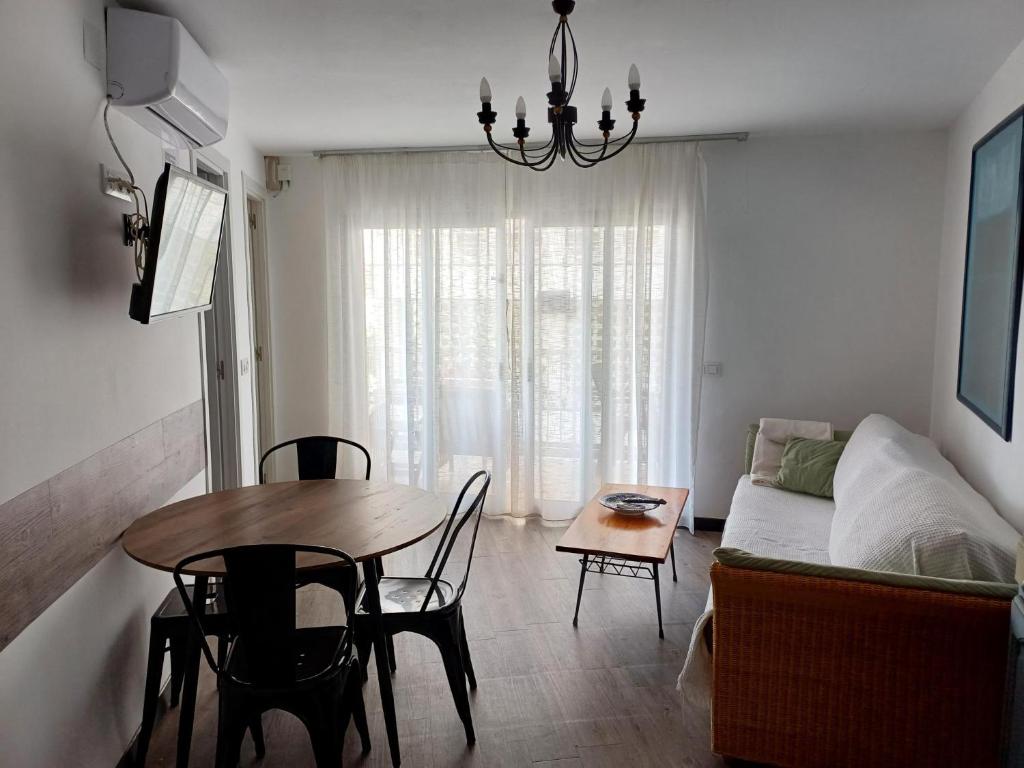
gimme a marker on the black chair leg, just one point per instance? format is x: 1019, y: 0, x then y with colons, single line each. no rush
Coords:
x: 151, y: 696
x: 447, y: 640
x: 466, y: 660
x: 231, y: 725
x: 363, y: 644
x: 326, y: 723
x: 179, y: 648
x: 222, y: 652
x: 256, y: 729
x: 391, y: 653
x: 354, y: 696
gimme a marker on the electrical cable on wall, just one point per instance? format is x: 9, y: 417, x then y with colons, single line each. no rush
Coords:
x: 136, y: 224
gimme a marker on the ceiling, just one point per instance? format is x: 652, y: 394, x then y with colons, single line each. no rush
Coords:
x: 317, y: 74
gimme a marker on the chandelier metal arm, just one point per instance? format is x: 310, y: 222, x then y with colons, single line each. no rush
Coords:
x: 575, y: 62
x: 580, y: 160
x: 628, y: 140
x: 526, y: 163
x: 546, y: 164
x: 541, y: 148
x: 599, y: 144
x: 596, y: 150
x: 538, y: 161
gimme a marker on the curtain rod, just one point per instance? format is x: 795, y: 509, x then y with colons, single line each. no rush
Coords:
x: 688, y: 138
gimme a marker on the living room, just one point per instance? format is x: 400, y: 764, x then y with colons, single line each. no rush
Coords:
x: 763, y: 276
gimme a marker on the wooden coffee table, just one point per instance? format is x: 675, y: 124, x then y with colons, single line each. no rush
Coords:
x: 626, y: 546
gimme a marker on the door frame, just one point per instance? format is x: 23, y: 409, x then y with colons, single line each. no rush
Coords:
x: 219, y: 356
x: 258, y: 278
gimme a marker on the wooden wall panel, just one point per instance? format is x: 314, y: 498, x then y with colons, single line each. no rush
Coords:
x: 52, y: 534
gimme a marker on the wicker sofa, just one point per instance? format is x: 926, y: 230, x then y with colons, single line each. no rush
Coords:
x: 817, y: 664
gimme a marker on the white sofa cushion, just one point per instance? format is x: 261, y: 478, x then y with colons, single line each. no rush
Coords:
x: 900, y: 506
x: 777, y: 523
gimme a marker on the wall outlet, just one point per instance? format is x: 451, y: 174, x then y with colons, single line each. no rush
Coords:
x: 712, y: 369
x: 243, y: 367
x: 114, y: 184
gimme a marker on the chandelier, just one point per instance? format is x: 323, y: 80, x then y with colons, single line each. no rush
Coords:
x: 561, y: 114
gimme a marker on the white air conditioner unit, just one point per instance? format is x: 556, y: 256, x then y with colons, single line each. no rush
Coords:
x: 158, y: 74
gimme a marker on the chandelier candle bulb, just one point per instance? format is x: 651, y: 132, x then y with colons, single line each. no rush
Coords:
x: 634, y: 78
x: 554, y: 69
x: 606, y: 100
x: 521, y: 131
x: 485, y: 91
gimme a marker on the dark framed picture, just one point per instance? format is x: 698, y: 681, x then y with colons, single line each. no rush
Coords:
x: 992, y: 276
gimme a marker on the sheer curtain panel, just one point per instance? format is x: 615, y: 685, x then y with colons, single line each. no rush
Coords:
x: 545, y: 326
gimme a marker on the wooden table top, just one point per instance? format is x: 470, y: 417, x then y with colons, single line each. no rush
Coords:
x: 365, y: 518
x: 598, y: 530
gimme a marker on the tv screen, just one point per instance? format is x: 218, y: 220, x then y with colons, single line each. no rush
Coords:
x: 183, y: 246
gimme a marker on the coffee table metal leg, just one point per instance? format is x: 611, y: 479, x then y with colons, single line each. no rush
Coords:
x: 672, y: 551
x: 380, y: 654
x: 657, y: 596
x: 186, y: 715
x: 579, y: 595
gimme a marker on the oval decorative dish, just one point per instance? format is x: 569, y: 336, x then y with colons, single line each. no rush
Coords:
x: 630, y: 504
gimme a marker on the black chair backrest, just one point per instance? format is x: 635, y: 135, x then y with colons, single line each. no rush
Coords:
x: 317, y: 456
x: 452, y: 530
x: 259, y: 594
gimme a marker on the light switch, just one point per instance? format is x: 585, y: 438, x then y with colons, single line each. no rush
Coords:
x: 243, y: 366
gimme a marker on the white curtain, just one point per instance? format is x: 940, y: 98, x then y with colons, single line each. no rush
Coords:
x: 546, y: 326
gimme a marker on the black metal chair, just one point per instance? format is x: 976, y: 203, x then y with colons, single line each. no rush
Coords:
x: 432, y: 606
x: 270, y: 662
x: 169, y: 628
x: 317, y: 459
x: 317, y: 456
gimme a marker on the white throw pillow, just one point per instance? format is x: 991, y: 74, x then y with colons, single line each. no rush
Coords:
x: 900, y: 506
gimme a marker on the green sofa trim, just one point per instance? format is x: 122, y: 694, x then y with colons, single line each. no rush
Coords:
x: 738, y: 558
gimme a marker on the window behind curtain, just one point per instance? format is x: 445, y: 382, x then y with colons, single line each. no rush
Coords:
x: 539, y: 328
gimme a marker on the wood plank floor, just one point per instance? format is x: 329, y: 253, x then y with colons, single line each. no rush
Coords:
x: 549, y: 694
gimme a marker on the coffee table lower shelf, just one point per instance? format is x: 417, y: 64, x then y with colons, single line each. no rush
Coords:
x: 621, y: 566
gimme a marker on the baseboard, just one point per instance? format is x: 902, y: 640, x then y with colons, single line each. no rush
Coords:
x: 708, y: 523
x: 163, y: 704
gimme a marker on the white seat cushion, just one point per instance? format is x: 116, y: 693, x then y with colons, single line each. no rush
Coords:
x: 900, y: 506
x: 777, y: 523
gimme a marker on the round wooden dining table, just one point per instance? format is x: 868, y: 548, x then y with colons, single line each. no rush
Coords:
x: 365, y: 518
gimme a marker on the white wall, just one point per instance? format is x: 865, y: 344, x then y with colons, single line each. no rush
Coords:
x: 989, y: 464
x: 298, y: 303
x: 824, y: 264
x: 824, y: 259
x: 78, y: 375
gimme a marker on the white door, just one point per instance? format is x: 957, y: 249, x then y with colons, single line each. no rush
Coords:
x: 256, y: 222
x: 219, y: 338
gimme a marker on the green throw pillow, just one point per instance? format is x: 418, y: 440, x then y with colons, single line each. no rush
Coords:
x: 808, y: 466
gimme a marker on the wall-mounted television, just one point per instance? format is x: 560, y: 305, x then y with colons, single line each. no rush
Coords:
x: 183, y: 245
